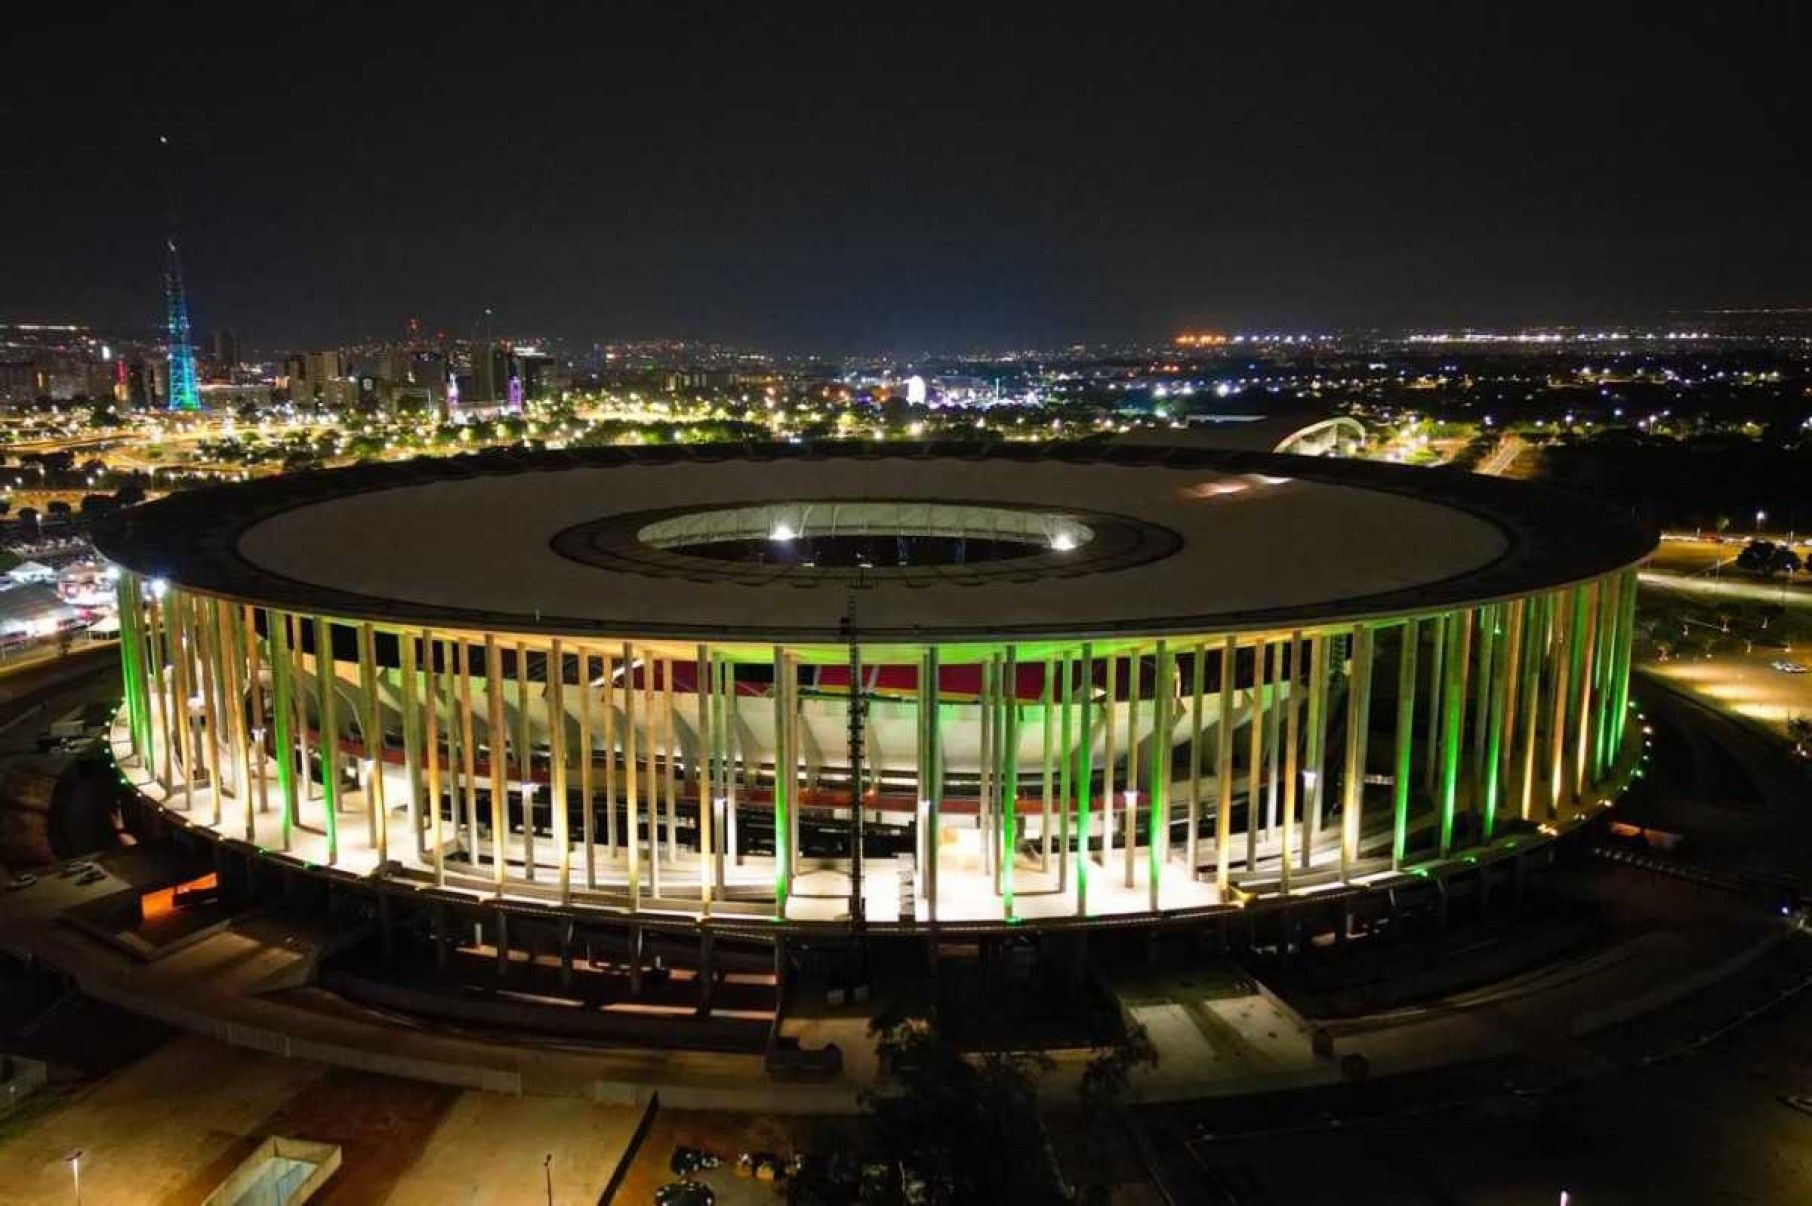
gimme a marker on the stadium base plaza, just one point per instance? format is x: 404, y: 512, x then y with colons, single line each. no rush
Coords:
x: 793, y: 691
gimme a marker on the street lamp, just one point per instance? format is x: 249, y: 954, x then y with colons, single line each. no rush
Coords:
x: 1759, y: 517
x: 74, y: 1160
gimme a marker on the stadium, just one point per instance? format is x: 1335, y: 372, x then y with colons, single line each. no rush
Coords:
x: 798, y: 692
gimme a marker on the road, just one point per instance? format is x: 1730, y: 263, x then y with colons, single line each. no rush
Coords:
x: 1509, y: 447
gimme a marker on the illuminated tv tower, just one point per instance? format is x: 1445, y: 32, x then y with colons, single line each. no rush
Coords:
x: 181, y: 352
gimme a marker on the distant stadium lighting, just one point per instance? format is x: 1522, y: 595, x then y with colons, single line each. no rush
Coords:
x: 782, y: 533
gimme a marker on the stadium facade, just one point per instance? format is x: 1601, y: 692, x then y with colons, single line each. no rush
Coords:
x: 909, y: 689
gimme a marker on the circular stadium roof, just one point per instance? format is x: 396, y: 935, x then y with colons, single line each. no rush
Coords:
x: 1095, y: 540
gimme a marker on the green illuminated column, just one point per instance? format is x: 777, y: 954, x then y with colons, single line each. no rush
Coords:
x: 1358, y: 727
x: 1626, y: 648
x: 783, y: 783
x: 283, y: 740
x: 1157, y: 837
x: 1066, y: 770
x: 122, y: 595
x: 1503, y: 645
x: 1452, y: 706
x: 1410, y: 636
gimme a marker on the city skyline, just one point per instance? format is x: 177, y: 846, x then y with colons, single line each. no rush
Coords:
x: 848, y: 185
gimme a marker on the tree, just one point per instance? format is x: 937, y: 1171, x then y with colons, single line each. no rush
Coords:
x: 130, y: 494
x: 1799, y: 728
x: 964, y: 1127
x: 29, y: 515
x: 1766, y: 558
x: 60, y: 509
x: 1103, y: 1091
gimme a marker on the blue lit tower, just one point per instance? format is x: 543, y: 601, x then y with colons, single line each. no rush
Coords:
x: 183, y: 392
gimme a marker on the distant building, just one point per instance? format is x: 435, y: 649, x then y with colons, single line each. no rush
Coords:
x: 18, y: 382
x: 492, y: 368
x: 317, y: 379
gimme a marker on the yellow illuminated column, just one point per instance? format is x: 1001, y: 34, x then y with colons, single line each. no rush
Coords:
x: 1409, y: 637
x: 497, y: 740
x: 1047, y: 766
x: 1560, y: 652
x: 431, y: 744
x: 1292, y: 743
x: 410, y: 681
x: 1535, y: 646
x: 1314, y: 777
x: 206, y: 639
x: 372, y: 722
x: 706, y: 776
x: 609, y: 669
x: 260, y: 703
x: 1110, y: 719
x: 1192, y: 850
x: 588, y: 834
x: 632, y: 817
x: 1130, y: 817
x: 328, y: 740
x: 1223, y: 771
x: 556, y: 765
x: 1591, y: 597
x: 525, y: 764
x: 468, y: 751
x: 932, y: 774
x: 233, y: 673
x: 1255, y: 750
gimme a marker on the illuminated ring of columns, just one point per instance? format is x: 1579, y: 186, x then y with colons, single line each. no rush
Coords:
x: 1049, y: 780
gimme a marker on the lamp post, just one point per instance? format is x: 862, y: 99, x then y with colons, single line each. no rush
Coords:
x: 74, y: 1160
x: 1759, y: 517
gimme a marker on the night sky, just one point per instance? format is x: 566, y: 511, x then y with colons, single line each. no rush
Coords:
x: 845, y: 183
